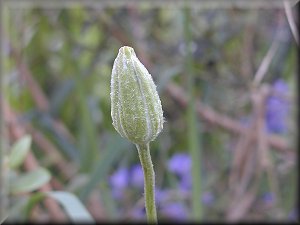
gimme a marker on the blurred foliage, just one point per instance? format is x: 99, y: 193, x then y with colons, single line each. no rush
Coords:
x: 69, y: 53
x: 20, y: 188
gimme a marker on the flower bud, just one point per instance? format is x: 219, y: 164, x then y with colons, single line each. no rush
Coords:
x: 135, y: 105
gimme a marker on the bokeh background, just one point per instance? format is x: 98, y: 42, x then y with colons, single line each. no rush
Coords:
x: 227, y: 78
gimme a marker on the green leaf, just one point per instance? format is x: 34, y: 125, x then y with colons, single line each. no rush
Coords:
x: 17, y: 210
x: 19, y: 151
x: 3, y: 219
x: 91, y: 36
x: 115, y: 149
x: 70, y: 203
x: 73, y: 207
x: 30, y: 181
x: 32, y: 201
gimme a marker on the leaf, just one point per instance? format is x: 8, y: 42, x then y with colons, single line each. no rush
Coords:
x: 16, y: 213
x: 30, y: 181
x: 59, y: 138
x: 115, y: 149
x: 19, y: 151
x: 90, y: 37
x: 70, y: 203
x: 3, y: 219
x: 32, y: 201
x: 73, y: 207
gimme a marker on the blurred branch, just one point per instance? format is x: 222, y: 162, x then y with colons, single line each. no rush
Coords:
x: 66, y: 168
x: 278, y: 40
x: 31, y: 163
x: 239, y: 206
x: 265, y: 159
x: 38, y: 96
x: 248, y: 159
x: 218, y: 119
x: 242, y: 175
x: 225, y: 122
x: 265, y: 63
x: 36, y: 92
x: 258, y: 99
x: 291, y: 21
x: 97, y: 210
x: 242, y: 164
x: 247, y: 59
x: 212, y: 116
x: 116, y: 31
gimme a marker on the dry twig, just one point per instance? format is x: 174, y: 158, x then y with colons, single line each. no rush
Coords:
x: 225, y: 122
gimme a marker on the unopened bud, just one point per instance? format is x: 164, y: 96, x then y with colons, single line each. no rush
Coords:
x: 135, y: 105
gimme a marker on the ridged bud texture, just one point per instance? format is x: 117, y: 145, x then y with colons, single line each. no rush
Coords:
x: 135, y: 105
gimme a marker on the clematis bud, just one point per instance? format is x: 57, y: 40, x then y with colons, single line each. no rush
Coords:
x: 136, y: 109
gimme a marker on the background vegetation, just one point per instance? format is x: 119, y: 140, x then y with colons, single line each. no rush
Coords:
x: 235, y: 68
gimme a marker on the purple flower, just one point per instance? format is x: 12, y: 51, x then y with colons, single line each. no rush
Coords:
x: 175, y: 210
x: 208, y: 198
x: 119, y: 178
x: 277, y: 108
x: 293, y: 215
x: 138, y: 213
x: 186, y: 182
x: 280, y: 86
x: 137, y: 176
x: 268, y: 198
x: 119, y: 181
x: 161, y: 195
x: 180, y: 164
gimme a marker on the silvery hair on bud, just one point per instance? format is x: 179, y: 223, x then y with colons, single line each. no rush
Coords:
x: 136, y: 109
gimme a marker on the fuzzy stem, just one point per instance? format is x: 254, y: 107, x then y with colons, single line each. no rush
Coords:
x: 149, y: 182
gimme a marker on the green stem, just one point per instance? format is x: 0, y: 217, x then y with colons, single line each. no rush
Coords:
x: 149, y: 182
x: 4, y: 202
x: 194, y: 138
